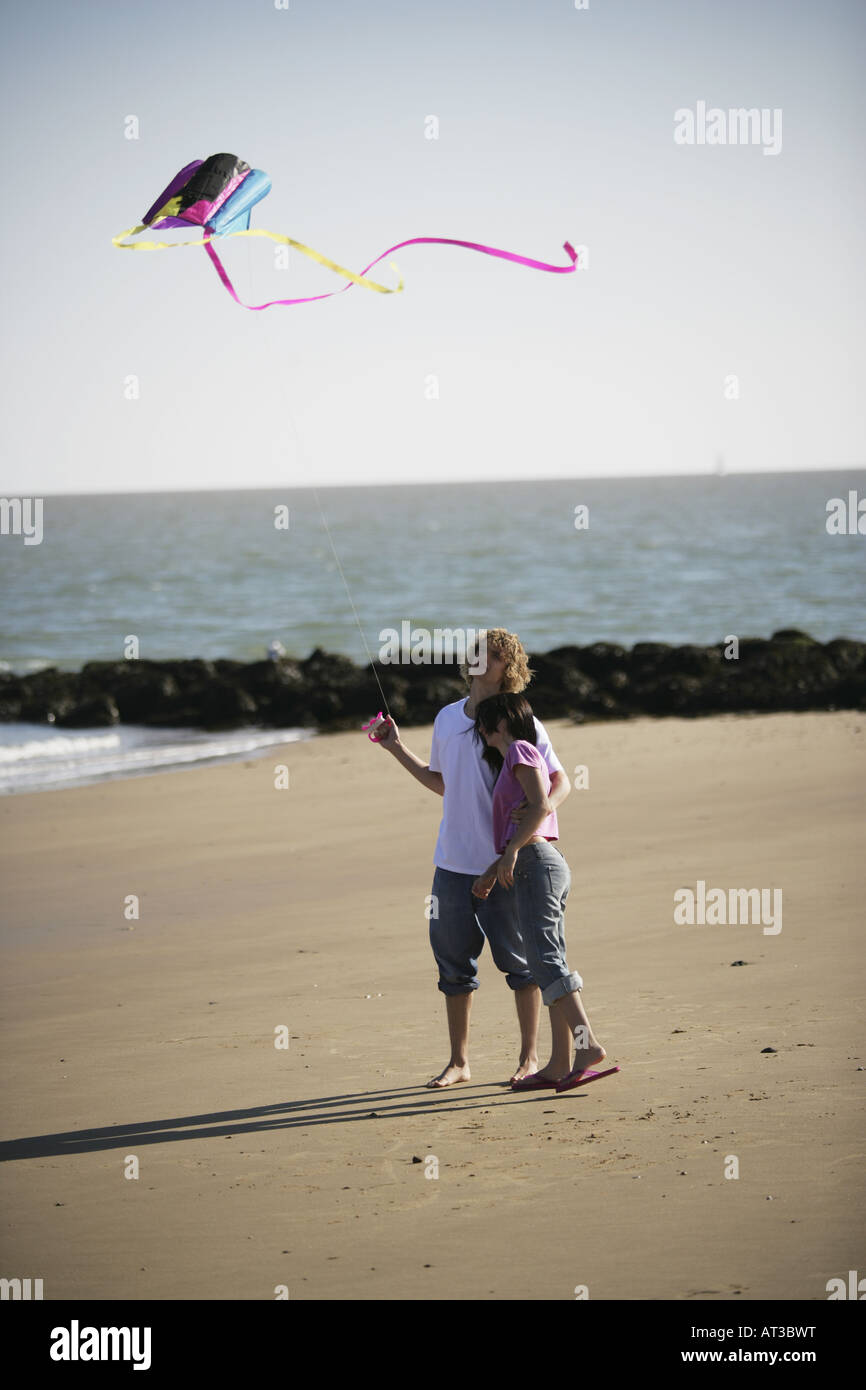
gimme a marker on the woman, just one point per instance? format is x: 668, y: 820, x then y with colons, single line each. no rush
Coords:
x: 536, y: 871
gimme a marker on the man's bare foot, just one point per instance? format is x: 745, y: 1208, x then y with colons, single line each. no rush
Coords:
x: 527, y: 1066
x: 586, y: 1057
x: 449, y: 1077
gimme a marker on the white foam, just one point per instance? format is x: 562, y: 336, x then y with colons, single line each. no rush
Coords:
x: 35, y: 757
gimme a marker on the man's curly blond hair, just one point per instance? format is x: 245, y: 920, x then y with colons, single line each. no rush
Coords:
x: 501, y: 642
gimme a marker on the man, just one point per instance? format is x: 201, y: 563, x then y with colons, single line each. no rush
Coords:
x: 459, y: 922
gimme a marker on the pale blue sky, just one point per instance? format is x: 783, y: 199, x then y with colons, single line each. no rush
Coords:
x: 555, y: 123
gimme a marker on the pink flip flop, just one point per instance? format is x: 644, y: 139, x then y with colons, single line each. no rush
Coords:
x: 583, y: 1078
x: 534, y: 1082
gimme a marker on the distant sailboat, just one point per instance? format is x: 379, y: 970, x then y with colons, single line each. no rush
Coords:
x: 720, y: 466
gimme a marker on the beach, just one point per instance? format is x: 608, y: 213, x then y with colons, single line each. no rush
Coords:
x: 297, y: 913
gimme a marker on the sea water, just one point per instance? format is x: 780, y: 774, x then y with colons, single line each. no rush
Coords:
x: 210, y: 574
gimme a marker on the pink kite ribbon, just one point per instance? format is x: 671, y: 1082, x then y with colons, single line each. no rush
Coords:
x: 413, y: 241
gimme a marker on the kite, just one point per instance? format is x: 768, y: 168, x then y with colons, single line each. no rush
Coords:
x: 218, y: 195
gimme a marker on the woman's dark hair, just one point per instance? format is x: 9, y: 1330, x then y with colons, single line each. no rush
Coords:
x: 519, y: 720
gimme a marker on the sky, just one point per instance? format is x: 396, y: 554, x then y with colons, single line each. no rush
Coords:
x: 716, y: 324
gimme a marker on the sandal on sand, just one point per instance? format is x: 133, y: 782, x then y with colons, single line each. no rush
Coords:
x: 534, y: 1082
x: 583, y: 1078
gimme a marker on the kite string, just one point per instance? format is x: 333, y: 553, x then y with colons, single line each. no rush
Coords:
x: 314, y: 490
x: 351, y: 600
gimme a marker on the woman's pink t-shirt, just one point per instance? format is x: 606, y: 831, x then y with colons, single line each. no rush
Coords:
x: 508, y: 793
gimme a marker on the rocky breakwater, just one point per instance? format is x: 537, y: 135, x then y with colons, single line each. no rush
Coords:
x: 789, y: 671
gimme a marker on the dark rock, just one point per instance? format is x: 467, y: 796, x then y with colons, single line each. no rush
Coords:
x: 600, y: 658
x: 790, y: 671
x: 560, y: 684
x: 96, y: 713
x: 780, y: 674
x: 650, y: 653
x: 793, y: 634
x: 335, y: 687
x: 846, y: 656
x: 230, y: 669
x: 47, y: 694
x: 695, y: 661
x: 145, y: 692
x: 225, y: 706
x: 11, y: 693
x: 278, y: 689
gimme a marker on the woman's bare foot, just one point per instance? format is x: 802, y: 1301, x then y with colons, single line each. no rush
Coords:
x: 586, y: 1057
x: 450, y: 1076
x: 549, y: 1072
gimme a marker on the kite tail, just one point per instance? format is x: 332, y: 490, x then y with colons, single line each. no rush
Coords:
x: 354, y: 279
x: 350, y: 275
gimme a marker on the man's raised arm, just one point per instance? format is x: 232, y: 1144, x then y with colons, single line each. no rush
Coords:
x: 422, y: 772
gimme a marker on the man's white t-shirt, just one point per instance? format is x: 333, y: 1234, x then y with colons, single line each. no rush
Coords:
x: 465, y: 844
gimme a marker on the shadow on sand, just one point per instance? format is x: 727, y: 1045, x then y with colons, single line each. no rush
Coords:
x: 301, y: 1114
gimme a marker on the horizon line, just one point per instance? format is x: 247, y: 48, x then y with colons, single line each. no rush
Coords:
x: 439, y: 483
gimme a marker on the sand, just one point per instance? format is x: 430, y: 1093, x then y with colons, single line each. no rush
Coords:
x: 152, y: 1040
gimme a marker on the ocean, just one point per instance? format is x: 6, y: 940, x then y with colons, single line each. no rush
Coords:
x: 208, y: 574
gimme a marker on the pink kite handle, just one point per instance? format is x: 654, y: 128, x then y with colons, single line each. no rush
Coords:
x: 413, y: 241
x: 374, y: 738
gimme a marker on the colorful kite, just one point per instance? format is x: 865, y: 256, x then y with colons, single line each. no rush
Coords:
x: 219, y: 193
